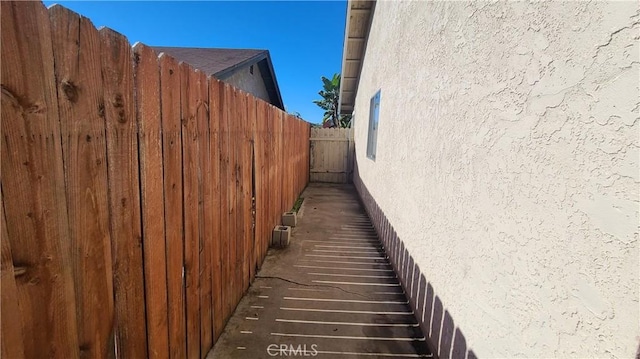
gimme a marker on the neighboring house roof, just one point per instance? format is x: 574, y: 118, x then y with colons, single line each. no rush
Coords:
x: 359, y: 15
x: 221, y: 63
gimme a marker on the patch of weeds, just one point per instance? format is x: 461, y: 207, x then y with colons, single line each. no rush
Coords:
x: 297, y: 205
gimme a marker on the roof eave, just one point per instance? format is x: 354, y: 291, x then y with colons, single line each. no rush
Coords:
x: 346, y: 105
x: 223, y: 74
x: 272, y: 73
x: 268, y: 76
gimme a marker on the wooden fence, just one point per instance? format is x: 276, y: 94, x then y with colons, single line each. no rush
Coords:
x: 332, y: 151
x: 129, y: 225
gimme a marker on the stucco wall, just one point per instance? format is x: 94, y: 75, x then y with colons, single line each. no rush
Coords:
x: 251, y: 83
x: 508, y: 162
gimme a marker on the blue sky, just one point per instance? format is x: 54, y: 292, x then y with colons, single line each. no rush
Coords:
x: 304, y: 37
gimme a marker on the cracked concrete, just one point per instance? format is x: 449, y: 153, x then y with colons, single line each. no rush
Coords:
x: 330, y: 294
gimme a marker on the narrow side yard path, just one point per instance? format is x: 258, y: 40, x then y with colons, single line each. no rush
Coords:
x: 331, y: 294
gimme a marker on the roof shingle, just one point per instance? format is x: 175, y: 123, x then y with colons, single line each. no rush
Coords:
x: 212, y: 61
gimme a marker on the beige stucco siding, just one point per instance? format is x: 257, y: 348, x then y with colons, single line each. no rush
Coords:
x: 508, y: 162
x: 251, y: 83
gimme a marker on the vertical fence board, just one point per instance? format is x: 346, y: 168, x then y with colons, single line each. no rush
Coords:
x: 254, y: 235
x: 259, y: 182
x: 297, y: 152
x: 289, y: 158
x: 245, y: 188
x: 190, y: 197
x: 285, y: 169
x: 235, y: 235
x: 300, y: 153
x: 243, y: 164
x: 281, y: 167
x: 225, y: 180
x: 206, y: 215
x: 241, y: 152
x: 279, y: 117
x: 249, y: 190
x: 76, y: 45
x: 33, y: 184
x: 269, y: 170
x: 241, y: 141
x: 273, y: 167
x: 147, y: 81
x: 238, y: 144
x: 172, y: 157
x: 124, y: 194
x: 214, y: 122
x: 293, y: 124
x: 12, y: 339
x: 265, y: 188
x: 231, y: 184
x: 292, y: 158
x: 255, y: 229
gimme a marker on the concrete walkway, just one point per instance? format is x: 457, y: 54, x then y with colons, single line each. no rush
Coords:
x: 331, y: 294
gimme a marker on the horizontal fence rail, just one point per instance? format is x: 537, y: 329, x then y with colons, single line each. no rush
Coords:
x: 138, y: 194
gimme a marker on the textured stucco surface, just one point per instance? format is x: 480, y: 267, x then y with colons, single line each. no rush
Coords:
x: 251, y: 83
x: 508, y: 162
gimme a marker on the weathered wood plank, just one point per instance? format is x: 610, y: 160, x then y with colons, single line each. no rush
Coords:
x: 288, y: 158
x: 225, y: 188
x: 296, y: 155
x: 172, y: 161
x: 248, y: 190
x: 33, y: 185
x: 240, y: 152
x: 124, y: 194
x: 307, y: 154
x: 148, y: 114
x: 12, y: 339
x: 188, y: 103
x: 215, y: 108
x: 290, y: 142
x: 262, y: 178
x: 205, y: 213
x: 236, y: 269
x: 300, y: 151
x: 76, y: 48
x: 238, y: 238
x: 254, y: 230
x: 243, y: 164
x: 293, y: 125
x: 273, y: 166
x: 245, y: 186
x: 284, y: 149
x: 278, y: 153
x: 279, y: 137
x: 267, y: 192
x: 258, y: 200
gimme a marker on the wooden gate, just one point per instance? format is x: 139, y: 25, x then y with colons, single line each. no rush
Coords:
x: 331, y: 155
